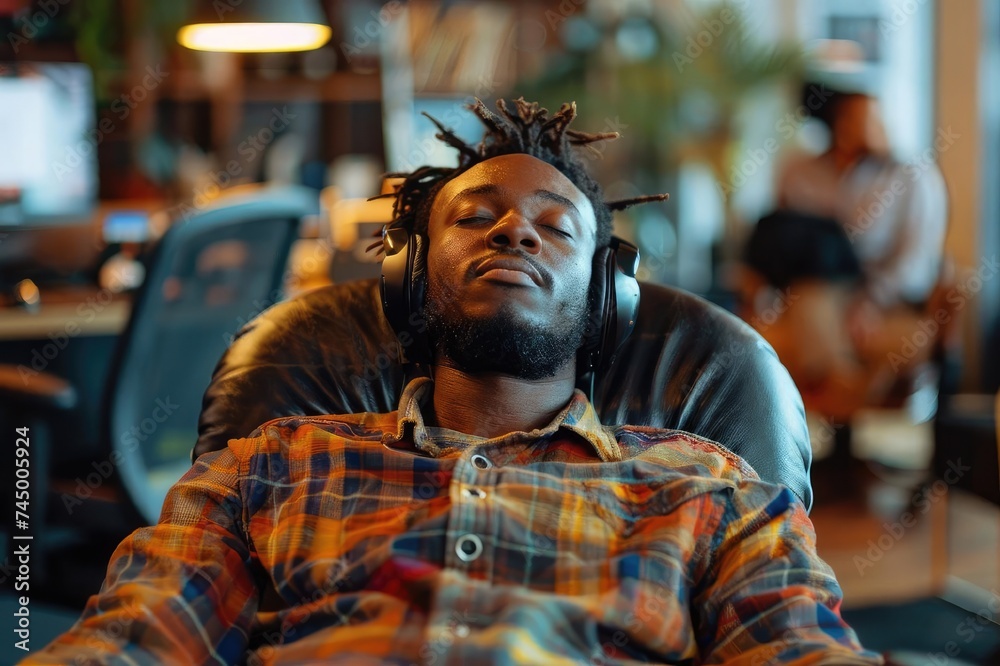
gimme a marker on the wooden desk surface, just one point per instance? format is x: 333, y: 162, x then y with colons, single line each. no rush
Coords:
x: 67, y: 312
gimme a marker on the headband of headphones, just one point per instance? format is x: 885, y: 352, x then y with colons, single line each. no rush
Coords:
x: 614, y: 295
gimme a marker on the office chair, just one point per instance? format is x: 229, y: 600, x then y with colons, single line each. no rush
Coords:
x: 687, y: 365
x: 208, y: 275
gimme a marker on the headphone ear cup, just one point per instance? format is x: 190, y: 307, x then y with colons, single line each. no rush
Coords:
x: 417, y: 269
x: 393, y: 283
x: 621, y: 306
x: 403, y: 287
x: 596, y: 301
x: 419, y: 350
x: 614, y: 304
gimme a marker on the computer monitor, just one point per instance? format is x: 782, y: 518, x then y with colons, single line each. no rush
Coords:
x: 48, y: 174
x: 410, y: 140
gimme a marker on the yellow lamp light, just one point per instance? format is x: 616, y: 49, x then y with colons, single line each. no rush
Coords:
x: 256, y: 26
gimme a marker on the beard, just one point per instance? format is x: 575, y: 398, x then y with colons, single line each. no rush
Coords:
x: 504, y: 342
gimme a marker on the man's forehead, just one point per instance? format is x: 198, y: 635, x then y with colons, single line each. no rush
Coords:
x: 517, y: 174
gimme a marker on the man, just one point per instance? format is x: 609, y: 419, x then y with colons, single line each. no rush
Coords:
x: 492, y: 518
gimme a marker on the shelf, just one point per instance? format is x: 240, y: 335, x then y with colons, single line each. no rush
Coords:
x: 338, y: 87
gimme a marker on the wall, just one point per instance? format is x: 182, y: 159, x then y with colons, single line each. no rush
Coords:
x: 957, y: 106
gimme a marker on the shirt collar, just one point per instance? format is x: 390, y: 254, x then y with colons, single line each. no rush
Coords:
x: 578, y: 417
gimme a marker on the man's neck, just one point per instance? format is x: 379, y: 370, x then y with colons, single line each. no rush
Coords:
x: 492, y: 405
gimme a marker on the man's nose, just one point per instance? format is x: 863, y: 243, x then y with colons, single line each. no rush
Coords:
x: 515, y: 231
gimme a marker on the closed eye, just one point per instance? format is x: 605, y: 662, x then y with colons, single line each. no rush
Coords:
x: 557, y: 230
x: 472, y: 219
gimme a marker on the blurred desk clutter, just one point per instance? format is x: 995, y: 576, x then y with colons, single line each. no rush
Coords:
x: 355, y: 222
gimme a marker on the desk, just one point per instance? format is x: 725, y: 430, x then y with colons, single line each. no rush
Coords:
x: 73, y: 312
x: 72, y: 335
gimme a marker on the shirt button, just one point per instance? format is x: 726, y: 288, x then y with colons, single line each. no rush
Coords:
x: 468, y: 547
x: 481, y: 461
x: 473, y: 492
x: 461, y: 630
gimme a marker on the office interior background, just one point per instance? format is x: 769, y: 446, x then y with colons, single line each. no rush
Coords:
x: 115, y: 127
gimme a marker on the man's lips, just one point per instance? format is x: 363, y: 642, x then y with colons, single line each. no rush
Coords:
x: 511, y: 270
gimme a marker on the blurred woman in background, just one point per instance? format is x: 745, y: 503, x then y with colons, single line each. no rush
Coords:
x: 857, y: 242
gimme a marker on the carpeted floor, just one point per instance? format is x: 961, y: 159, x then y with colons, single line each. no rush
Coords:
x: 939, y: 631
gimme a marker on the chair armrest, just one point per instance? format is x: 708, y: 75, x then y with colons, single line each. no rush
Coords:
x: 32, y: 390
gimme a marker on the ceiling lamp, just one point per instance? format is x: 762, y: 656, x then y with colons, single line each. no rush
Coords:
x: 256, y: 26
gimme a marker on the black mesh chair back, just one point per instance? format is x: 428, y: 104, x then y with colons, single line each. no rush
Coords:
x: 210, y: 274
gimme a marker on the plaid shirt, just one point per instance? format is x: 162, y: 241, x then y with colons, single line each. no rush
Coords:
x: 371, y: 538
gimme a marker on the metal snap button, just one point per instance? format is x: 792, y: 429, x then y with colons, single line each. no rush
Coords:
x: 481, y: 461
x: 468, y: 547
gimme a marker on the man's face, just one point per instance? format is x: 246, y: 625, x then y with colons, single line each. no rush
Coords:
x: 509, y: 262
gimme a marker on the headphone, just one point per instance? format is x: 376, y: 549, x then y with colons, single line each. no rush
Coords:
x: 614, y: 291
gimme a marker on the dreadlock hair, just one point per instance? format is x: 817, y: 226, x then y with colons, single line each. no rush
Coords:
x: 526, y: 129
